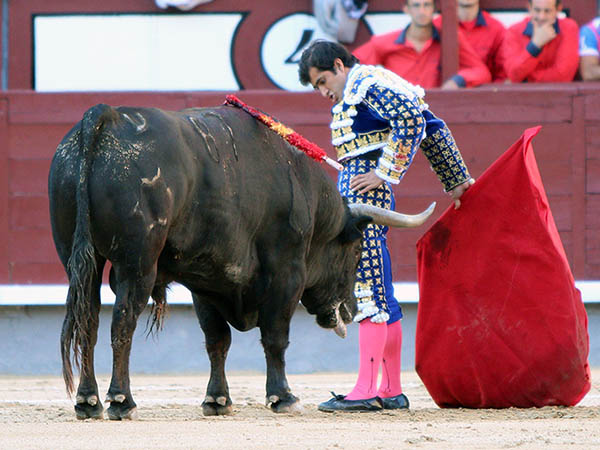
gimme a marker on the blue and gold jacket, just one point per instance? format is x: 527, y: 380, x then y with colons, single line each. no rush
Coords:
x: 382, y: 112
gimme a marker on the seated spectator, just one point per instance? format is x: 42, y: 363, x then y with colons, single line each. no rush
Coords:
x: 184, y: 5
x: 542, y: 47
x: 415, y: 52
x: 589, y: 51
x: 339, y: 18
x: 484, y: 33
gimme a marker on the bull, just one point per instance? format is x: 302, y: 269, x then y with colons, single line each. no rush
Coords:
x: 214, y: 200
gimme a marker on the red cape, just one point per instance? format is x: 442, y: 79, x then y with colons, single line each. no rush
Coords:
x: 500, y: 322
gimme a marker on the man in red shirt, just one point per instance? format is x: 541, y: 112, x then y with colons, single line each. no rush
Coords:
x: 542, y: 47
x: 415, y: 52
x: 484, y: 33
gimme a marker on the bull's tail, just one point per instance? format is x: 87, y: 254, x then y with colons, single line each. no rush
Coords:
x: 81, y: 266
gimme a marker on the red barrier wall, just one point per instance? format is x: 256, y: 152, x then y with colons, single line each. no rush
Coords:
x: 485, y: 122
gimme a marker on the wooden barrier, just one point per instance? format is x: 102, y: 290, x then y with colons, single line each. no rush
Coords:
x: 485, y: 122
x: 4, y: 194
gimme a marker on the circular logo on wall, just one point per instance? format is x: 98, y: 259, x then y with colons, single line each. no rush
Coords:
x: 282, y: 46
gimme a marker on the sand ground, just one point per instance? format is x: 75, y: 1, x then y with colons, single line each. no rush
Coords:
x: 36, y: 413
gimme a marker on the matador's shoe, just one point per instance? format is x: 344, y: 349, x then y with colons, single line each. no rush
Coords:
x: 397, y: 402
x: 339, y: 403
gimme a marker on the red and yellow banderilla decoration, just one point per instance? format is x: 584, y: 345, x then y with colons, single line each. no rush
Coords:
x: 301, y: 143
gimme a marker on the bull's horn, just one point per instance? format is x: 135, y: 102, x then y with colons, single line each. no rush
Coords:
x: 340, y: 328
x: 389, y: 218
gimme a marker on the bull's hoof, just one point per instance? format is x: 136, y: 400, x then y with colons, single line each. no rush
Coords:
x: 289, y: 404
x: 121, y: 408
x: 90, y: 408
x: 120, y: 412
x: 219, y: 407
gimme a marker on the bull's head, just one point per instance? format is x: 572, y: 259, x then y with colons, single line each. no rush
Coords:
x: 332, y: 297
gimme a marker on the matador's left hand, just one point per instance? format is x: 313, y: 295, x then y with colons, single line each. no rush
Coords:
x: 459, y: 190
x: 365, y: 182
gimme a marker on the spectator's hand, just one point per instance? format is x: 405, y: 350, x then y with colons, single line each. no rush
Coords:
x: 542, y: 34
x: 365, y: 182
x: 459, y: 190
x: 450, y: 84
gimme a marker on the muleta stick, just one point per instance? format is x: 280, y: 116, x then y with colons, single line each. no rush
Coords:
x: 298, y: 141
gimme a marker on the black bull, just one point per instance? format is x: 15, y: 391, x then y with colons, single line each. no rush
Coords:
x: 214, y: 200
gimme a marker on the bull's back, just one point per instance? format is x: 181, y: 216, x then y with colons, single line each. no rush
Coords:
x: 205, y: 174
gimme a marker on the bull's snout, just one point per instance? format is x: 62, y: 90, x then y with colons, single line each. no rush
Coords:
x: 335, y: 319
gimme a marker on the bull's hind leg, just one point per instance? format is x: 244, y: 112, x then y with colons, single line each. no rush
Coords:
x: 218, y: 339
x: 133, y: 291
x: 88, y: 404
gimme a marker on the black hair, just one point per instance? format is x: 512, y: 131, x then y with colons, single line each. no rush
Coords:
x: 321, y: 54
x: 558, y: 2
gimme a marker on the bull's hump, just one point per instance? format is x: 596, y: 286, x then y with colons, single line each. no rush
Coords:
x: 207, y: 123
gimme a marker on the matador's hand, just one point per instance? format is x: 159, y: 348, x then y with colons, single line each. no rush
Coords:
x: 365, y: 182
x: 459, y: 190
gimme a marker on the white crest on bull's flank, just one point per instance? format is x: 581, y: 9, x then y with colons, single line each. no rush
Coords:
x: 137, y: 210
x: 140, y: 124
x: 161, y: 221
x: 153, y: 180
x: 113, y: 244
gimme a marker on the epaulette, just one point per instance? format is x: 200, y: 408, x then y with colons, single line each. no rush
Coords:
x: 362, y: 77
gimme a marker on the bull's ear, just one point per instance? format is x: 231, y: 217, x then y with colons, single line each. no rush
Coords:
x: 355, y: 225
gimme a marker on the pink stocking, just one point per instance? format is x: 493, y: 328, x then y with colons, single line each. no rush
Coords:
x: 371, y: 341
x: 390, y: 380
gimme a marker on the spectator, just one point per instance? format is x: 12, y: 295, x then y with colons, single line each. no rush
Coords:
x: 415, y: 52
x: 542, y: 47
x: 339, y: 18
x: 484, y: 33
x: 184, y: 5
x: 589, y: 51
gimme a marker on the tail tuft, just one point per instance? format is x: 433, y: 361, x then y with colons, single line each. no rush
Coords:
x: 81, y: 266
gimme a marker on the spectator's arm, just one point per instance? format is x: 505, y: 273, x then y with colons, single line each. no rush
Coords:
x: 472, y: 70
x: 498, y: 70
x: 589, y: 67
x: 520, y: 59
x: 564, y: 66
x: 589, y: 56
x: 324, y: 11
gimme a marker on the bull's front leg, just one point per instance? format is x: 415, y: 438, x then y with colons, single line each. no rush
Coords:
x: 275, y: 328
x: 218, y: 340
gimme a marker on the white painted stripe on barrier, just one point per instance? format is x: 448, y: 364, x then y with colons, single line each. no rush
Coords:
x: 56, y: 294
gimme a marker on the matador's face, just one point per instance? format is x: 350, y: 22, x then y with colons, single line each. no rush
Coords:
x: 330, y: 83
